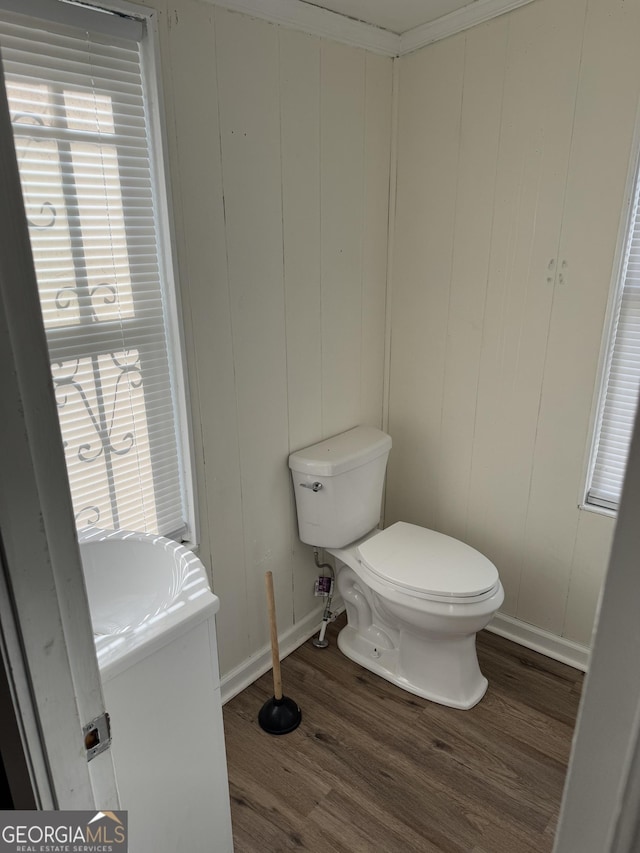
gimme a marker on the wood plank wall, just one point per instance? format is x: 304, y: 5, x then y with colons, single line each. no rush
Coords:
x: 515, y: 139
x: 279, y: 153
x: 514, y: 144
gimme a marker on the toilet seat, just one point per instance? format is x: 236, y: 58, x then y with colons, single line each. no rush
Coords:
x: 428, y: 564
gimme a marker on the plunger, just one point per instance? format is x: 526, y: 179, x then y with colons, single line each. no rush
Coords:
x: 279, y: 715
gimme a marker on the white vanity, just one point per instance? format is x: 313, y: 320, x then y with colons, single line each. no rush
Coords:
x: 154, y: 623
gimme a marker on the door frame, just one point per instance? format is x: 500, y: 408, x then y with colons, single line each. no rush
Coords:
x: 46, y: 639
x: 601, y: 803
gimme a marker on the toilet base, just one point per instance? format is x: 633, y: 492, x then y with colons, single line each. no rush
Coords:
x: 387, y: 664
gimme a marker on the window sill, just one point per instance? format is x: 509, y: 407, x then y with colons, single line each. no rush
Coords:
x: 599, y: 510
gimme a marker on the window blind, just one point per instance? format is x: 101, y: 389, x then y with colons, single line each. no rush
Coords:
x: 622, y: 378
x: 77, y: 105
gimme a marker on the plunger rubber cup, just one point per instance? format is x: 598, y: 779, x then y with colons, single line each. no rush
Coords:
x: 279, y: 716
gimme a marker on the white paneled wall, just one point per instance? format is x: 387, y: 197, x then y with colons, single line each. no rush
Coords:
x: 280, y: 150
x: 513, y: 152
x: 514, y: 140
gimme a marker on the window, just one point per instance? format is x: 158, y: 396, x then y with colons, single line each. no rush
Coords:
x: 77, y: 96
x: 621, y: 376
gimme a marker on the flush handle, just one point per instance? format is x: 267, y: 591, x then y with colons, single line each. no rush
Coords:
x: 315, y: 487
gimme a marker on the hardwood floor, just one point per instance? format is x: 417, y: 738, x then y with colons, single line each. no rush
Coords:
x: 373, y: 768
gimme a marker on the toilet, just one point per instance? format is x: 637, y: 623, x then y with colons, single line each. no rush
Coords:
x: 415, y: 598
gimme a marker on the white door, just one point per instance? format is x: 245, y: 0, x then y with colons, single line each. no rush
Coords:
x: 46, y: 638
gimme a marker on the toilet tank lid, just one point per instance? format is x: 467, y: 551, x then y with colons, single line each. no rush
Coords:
x: 428, y: 562
x: 341, y: 452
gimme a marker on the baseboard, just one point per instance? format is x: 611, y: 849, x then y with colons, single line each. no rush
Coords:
x: 246, y: 673
x: 558, y: 648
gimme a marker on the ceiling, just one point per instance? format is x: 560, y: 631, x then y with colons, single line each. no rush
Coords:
x: 397, y: 16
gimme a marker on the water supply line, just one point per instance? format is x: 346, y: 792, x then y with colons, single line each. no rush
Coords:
x: 320, y: 642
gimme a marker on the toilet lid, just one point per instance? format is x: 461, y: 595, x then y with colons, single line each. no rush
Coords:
x: 427, y: 562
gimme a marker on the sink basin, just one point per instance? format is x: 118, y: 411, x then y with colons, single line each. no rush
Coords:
x: 141, y: 589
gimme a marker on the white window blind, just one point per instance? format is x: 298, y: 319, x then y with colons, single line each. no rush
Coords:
x: 622, y: 378
x: 76, y: 95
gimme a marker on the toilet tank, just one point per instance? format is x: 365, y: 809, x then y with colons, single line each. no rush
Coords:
x: 338, y: 486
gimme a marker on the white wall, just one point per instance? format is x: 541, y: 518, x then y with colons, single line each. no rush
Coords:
x: 279, y: 154
x: 513, y: 152
x: 514, y: 143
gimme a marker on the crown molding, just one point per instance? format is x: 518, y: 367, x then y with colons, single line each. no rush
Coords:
x: 455, y: 22
x: 316, y: 21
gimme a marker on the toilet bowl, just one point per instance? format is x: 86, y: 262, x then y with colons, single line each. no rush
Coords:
x: 415, y: 598
x: 407, y: 621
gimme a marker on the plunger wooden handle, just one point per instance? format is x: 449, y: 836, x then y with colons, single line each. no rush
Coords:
x: 275, y: 652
